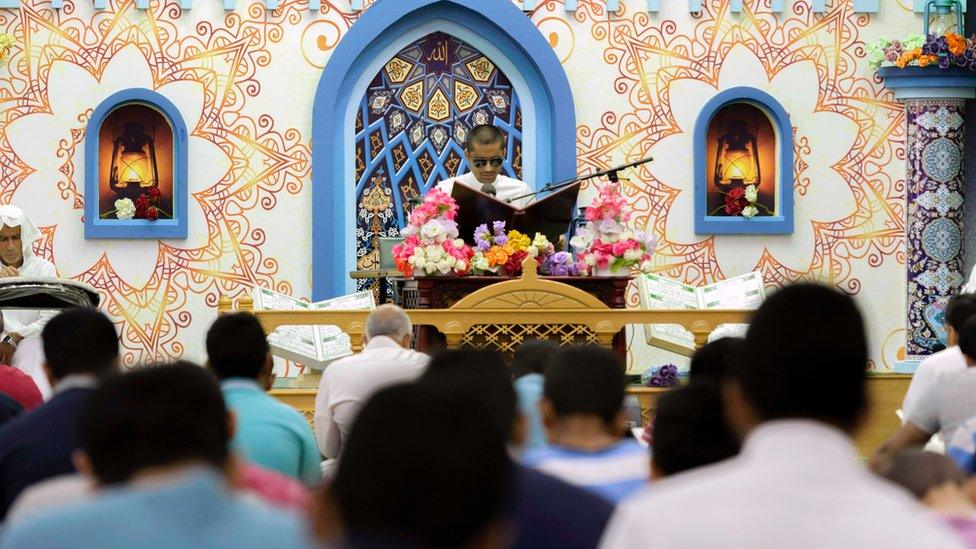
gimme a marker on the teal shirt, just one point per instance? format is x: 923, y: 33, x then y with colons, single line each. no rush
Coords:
x: 271, y: 434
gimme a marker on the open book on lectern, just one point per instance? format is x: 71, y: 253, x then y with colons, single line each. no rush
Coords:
x: 550, y: 216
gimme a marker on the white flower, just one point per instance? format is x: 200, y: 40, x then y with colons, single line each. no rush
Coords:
x: 633, y: 254
x: 445, y: 265
x: 752, y: 194
x: 125, y: 209
x: 430, y: 267
x: 460, y: 265
x: 434, y: 253
x: 590, y: 259
x: 458, y: 243
x: 532, y: 251
x: 749, y: 211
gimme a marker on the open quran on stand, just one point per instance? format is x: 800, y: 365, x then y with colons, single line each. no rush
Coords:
x: 550, y: 216
x: 657, y: 292
x: 312, y: 346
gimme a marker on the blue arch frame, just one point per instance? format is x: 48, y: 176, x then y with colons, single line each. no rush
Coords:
x: 782, y: 223
x: 500, y: 23
x: 136, y: 228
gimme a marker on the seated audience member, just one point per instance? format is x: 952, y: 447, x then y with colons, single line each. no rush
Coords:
x: 581, y: 409
x: 156, y: 439
x: 545, y: 511
x: 798, y: 481
x: 960, y: 309
x: 269, y: 433
x: 9, y: 409
x: 528, y: 367
x: 444, y: 489
x: 20, y: 387
x: 715, y: 360
x: 348, y: 382
x: 50, y: 495
x: 944, y: 406
x: 690, y: 430
x: 80, y: 345
x: 936, y: 482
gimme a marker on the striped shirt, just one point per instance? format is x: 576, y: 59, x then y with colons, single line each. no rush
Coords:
x: 613, y: 473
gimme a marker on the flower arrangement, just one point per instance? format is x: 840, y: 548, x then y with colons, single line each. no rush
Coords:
x: 498, y: 252
x: 742, y: 201
x: 6, y: 43
x: 606, y: 244
x: 432, y: 246
x: 666, y: 376
x: 951, y: 50
x: 146, y: 206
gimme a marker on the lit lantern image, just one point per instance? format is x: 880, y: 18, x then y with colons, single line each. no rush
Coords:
x: 133, y: 168
x: 737, y: 161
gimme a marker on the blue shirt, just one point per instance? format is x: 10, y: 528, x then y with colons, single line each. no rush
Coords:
x: 528, y: 388
x: 271, y: 434
x: 614, y: 472
x: 198, y: 511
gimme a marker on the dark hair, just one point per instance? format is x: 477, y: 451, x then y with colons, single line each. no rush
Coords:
x: 237, y: 346
x: 485, y: 134
x: 585, y: 379
x: 478, y: 375
x: 80, y: 341
x: 531, y: 357
x: 153, y: 417
x: 802, y: 337
x: 435, y: 477
x: 716, y: 360
x: 960, y: 308
x: 690, y: 429
x: 967, y: 338
x: 920, y: 471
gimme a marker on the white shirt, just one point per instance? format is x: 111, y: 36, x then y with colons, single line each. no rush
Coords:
x: 945, y: 361
x: 505, y: 187
x: 797, y: 484
x: 348, y: 382
x: 30, y: 322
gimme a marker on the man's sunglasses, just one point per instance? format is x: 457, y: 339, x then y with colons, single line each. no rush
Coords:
x: 495, y: 162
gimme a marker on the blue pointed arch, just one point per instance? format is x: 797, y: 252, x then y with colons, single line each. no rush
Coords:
x: 502, y: 32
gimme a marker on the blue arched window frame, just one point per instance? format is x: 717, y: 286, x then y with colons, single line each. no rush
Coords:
x: 782, y: 222
x: 502, y: 25
x: 136, y: 228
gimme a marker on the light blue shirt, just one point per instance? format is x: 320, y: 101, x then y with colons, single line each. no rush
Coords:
x: 197, y: 511
x: 528, y: 388
x: 271, y: 434
x: 614, y: 472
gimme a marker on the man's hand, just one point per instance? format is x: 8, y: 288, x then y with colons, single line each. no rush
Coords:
x: 7, y: 353
x: 8, y: 272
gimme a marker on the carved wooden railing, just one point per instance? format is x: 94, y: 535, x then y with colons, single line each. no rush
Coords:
x: 528, y: 300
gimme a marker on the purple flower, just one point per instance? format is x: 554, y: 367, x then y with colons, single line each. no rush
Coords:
x: 944, y: 62
x: 498, y: 227
x: 561, y: 264
x: 501, y: 239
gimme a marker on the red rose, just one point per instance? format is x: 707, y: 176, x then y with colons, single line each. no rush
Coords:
x: 154, y: 195
x: 735, y: 200
x: 152, y: 213
x: 513, y: 266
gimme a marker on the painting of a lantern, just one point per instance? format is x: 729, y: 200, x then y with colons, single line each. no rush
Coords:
x: 737, y: 161
x: 133, y: 168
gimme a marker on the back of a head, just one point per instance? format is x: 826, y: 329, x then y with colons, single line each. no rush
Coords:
x: 80, y: 341
x: 960, y: 308
x: 967, y: 339
x: 478, y: 375
x: 390, y: 321
x: 485, y: 134
x: 585, y: 380
x: 716, y: 360
x: 154, y: 417
x: 919, y: 471
x: 435, y: 477
x: 237, y: 346
x: 690, y: 429
x: 804, y: 338
x: 531, y: 357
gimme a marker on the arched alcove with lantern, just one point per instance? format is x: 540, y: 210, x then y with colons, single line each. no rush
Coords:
x: 743, y: 165
x: 135, y: 168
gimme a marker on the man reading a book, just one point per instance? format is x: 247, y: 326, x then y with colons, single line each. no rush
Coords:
x: 484, y: 149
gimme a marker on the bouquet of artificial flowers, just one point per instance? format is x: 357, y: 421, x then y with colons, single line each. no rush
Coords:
x: 606, y: 245
x: 432, y: 246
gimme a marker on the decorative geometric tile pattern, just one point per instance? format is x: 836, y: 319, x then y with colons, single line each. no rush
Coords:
x: 417, y: 112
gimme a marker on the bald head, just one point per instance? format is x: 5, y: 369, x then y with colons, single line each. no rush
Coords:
x: 390, y: 321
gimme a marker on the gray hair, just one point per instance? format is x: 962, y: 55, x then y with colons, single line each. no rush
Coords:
x: 388, y: 320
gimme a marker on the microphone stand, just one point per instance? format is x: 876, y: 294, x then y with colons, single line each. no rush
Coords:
x: 611, y: 173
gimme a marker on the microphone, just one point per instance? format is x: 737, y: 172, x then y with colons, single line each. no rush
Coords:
x: 415, y: 201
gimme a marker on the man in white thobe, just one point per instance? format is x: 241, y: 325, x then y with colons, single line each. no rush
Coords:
x: 484, y: 150
x: 20, y: 341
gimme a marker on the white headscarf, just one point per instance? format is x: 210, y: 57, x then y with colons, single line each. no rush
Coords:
x: 12, y: 216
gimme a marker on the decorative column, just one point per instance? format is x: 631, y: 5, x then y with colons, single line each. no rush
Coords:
x: 935, y: 186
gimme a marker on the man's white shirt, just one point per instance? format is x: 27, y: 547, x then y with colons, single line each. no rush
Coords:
x: 945, y: 361
x: 349, y: 382
x: 505, y: 187
x: 797, y: 484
